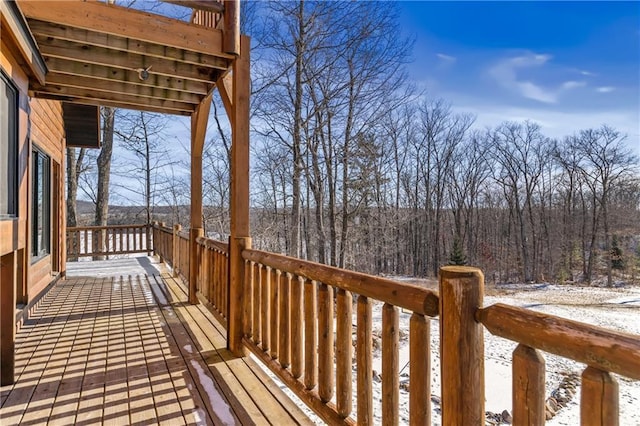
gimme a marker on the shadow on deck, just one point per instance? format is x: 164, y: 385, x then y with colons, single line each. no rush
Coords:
x: 116, y: 343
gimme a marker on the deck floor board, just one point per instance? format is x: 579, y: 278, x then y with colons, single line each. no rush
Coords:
x: 118, y: 350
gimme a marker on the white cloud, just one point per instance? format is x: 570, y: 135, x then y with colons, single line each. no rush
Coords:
x: 587, y: 73
x: 605, y: 89
x: 446, y: 58
x: 505, y: 73
x: 568, y: 85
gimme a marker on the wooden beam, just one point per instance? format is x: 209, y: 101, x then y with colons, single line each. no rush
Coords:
x: 78, y: 82
x: 129, y: 23
x: 99, y: 94
x: 72, y: 68
x: 82, y: 36
x: 210, y: 5
x: 225, y: 89
x: 240, y: 238
x: 135, y: 104
x: 133, y: 61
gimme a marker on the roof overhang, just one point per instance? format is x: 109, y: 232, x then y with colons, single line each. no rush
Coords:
x: 102, y: 54
x: 14, y: 28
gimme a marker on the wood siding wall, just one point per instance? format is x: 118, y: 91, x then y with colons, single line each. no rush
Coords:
x: 47, y: 134
x: 39, y: 124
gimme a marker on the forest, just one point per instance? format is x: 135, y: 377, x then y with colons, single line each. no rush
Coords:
x: 354, y: 166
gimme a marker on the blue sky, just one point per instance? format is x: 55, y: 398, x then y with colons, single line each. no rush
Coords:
x: 566, y: 65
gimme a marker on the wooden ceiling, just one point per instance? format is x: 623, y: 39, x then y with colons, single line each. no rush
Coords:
x: 96, y: 54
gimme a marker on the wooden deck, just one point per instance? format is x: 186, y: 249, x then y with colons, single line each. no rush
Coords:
x: 127, y: 349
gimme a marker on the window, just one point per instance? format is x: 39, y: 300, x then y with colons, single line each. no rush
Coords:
x: 8, y: 148
x: 41, y: 212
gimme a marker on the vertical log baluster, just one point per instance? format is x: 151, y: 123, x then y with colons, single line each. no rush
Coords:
x: 248, y: 298
x: 343, y: 352
x: 390, y: 362
x: 225, y: 286
x: 206, y: 252
x: 599, y: 405
x: 284, y: 328
x: 364, y: 354
x: 528, y: 386
x: 297, y: 327
x: 325, y: 342
x: 265, y: 277
x: 310, y: 334
x: 275, y: 290
x: 257, y: 304
x: 219, y: 282
x: 420, y: 371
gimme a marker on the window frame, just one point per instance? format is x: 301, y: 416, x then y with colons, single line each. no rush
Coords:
x: 41, y: 204
x: 12, y: 116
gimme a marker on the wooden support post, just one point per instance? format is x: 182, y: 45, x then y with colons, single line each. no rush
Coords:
x: 461, y: 346
x: 174, y: 248
x: 239, y: 197
x: 199, y: 121
x: 7, y: 318
x: 232, y: 27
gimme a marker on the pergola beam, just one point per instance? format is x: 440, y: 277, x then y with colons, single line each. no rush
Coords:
x: 128, y: 23
x: 62, y: 49
x: 110, y: 41
x: 100, y: 97
x: 70, y: 69
x: 62, y: 80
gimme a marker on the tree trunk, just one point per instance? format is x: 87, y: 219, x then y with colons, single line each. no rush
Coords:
x: 104, y: 171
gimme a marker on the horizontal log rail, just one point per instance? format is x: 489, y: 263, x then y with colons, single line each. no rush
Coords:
x: 310, y: 323
x: 595, y: 346
x: 299, y: 322
x: 603, y: 351
x: 108, y: 240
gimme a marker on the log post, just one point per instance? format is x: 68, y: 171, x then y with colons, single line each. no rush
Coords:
x: 239, y: 197
x: 174, y: 248
x: 461, y: 346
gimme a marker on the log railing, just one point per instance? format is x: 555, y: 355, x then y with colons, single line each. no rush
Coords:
x: 299, y: 321
x: 213, y: 276
x: 107, y: 240
x: 603, y: 351
x: 172, y: 247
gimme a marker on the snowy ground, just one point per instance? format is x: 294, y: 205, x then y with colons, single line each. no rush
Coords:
x: 613, y: 308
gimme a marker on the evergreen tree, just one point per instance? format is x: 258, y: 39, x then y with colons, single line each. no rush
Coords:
x: 457, y: 256
x: 616, y: 254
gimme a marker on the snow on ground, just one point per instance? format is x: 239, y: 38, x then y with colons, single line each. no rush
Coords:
x: 613, y: 308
